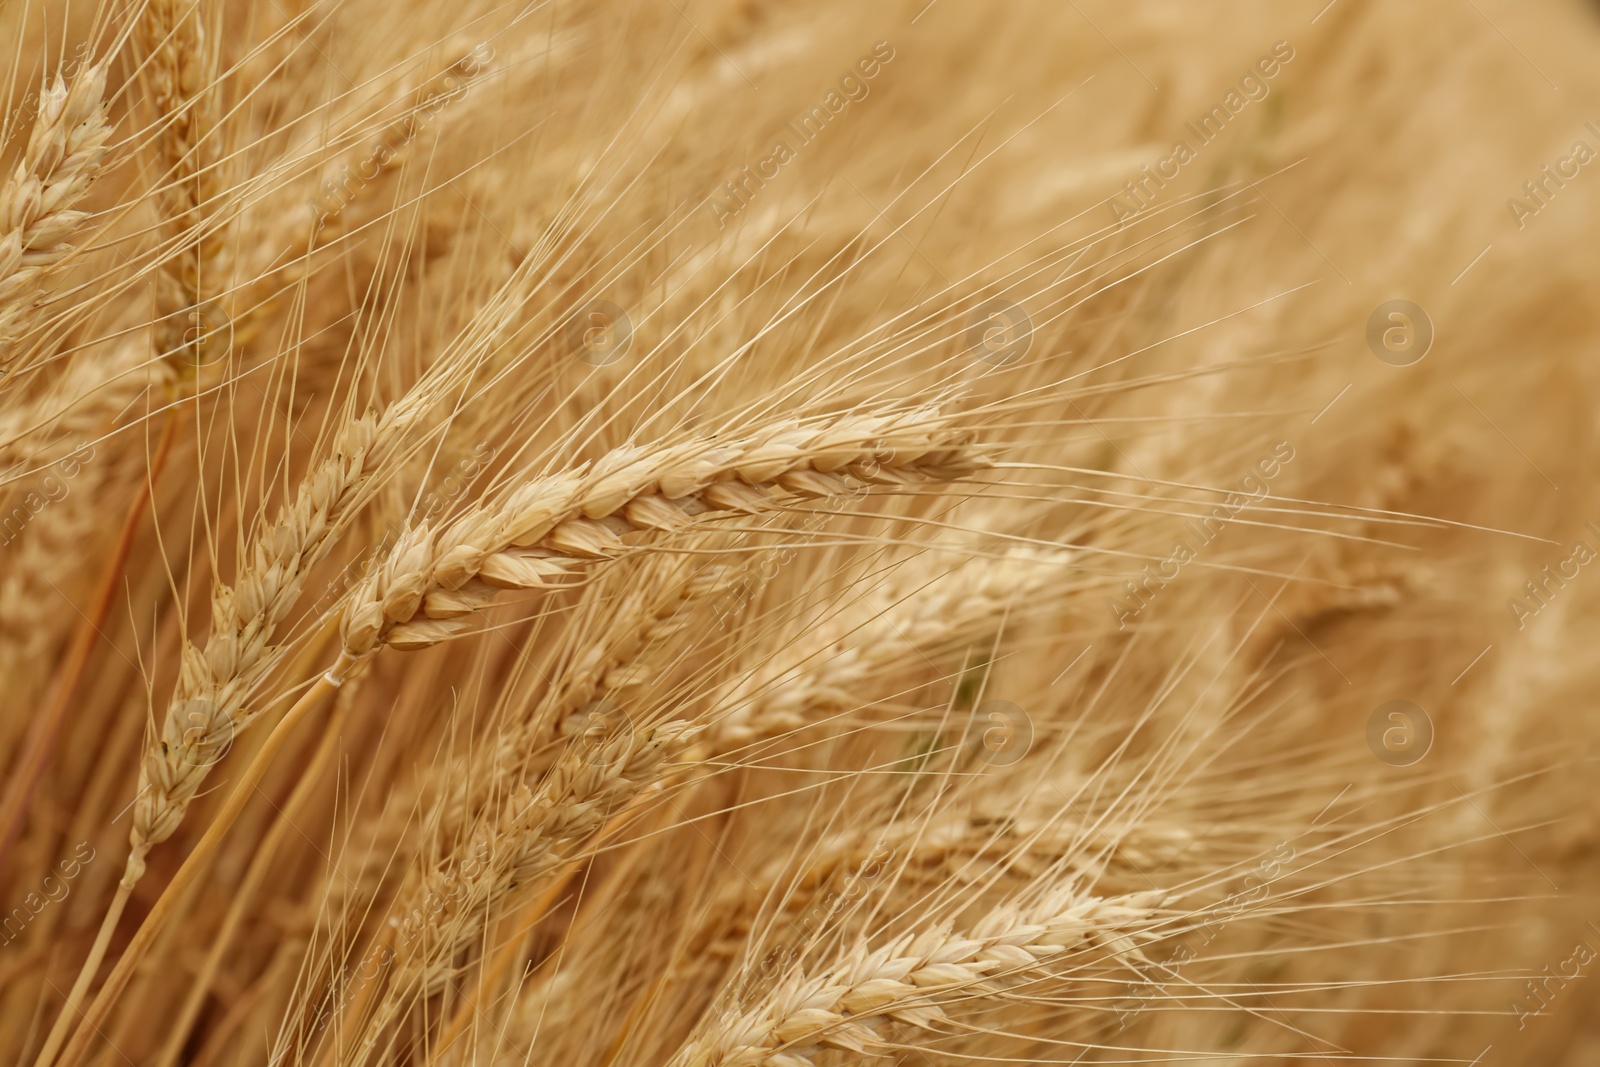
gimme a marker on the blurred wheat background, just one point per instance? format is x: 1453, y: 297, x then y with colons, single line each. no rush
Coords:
x: 709, y: 532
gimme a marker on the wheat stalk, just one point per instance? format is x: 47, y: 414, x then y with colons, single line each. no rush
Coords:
x: 209, y: 704
x: 38, y: 204
x: 904, y: 621
x: 531, y: 836
x: 547, y: 529
x: 183, y: 92
x: 656, y: 609
x: 912, y: 978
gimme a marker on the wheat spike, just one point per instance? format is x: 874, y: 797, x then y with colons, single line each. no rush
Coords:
x: 903, y: 622
x: 911, y: 979
x: 529, y: 836
x: 210, y: 703
x: 183, y: 92
x: 548, y: 528
x: 38, y: 204
x: 534, y: 833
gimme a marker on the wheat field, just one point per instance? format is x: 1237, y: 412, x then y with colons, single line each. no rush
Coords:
x: 711, y: 533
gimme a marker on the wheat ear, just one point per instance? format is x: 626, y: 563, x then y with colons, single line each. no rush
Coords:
x: 181, y: 75
x: 548, y: 528
x: 209, y: 703
x: 619, y: 672
x: 642, y: 631
x: 654, y: 613
x: 38, y: 212
x: 960, y: 605
x: 533, y: 835
x: 902, y: 625
x: 958, y: 846
x: 911, y: 979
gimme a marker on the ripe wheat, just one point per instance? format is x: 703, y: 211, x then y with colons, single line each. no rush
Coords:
x: 604, y: 533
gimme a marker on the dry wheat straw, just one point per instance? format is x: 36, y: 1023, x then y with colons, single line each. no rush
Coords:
x: 911, y: 979
x: 38, y: 212
x: 548, y: 528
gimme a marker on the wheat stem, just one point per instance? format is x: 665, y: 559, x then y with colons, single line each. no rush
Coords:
x: 70, y: 1011
x: 193, y: 864
x: 45, y: 728
x: 261, y: 862
x: 208, y: 705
